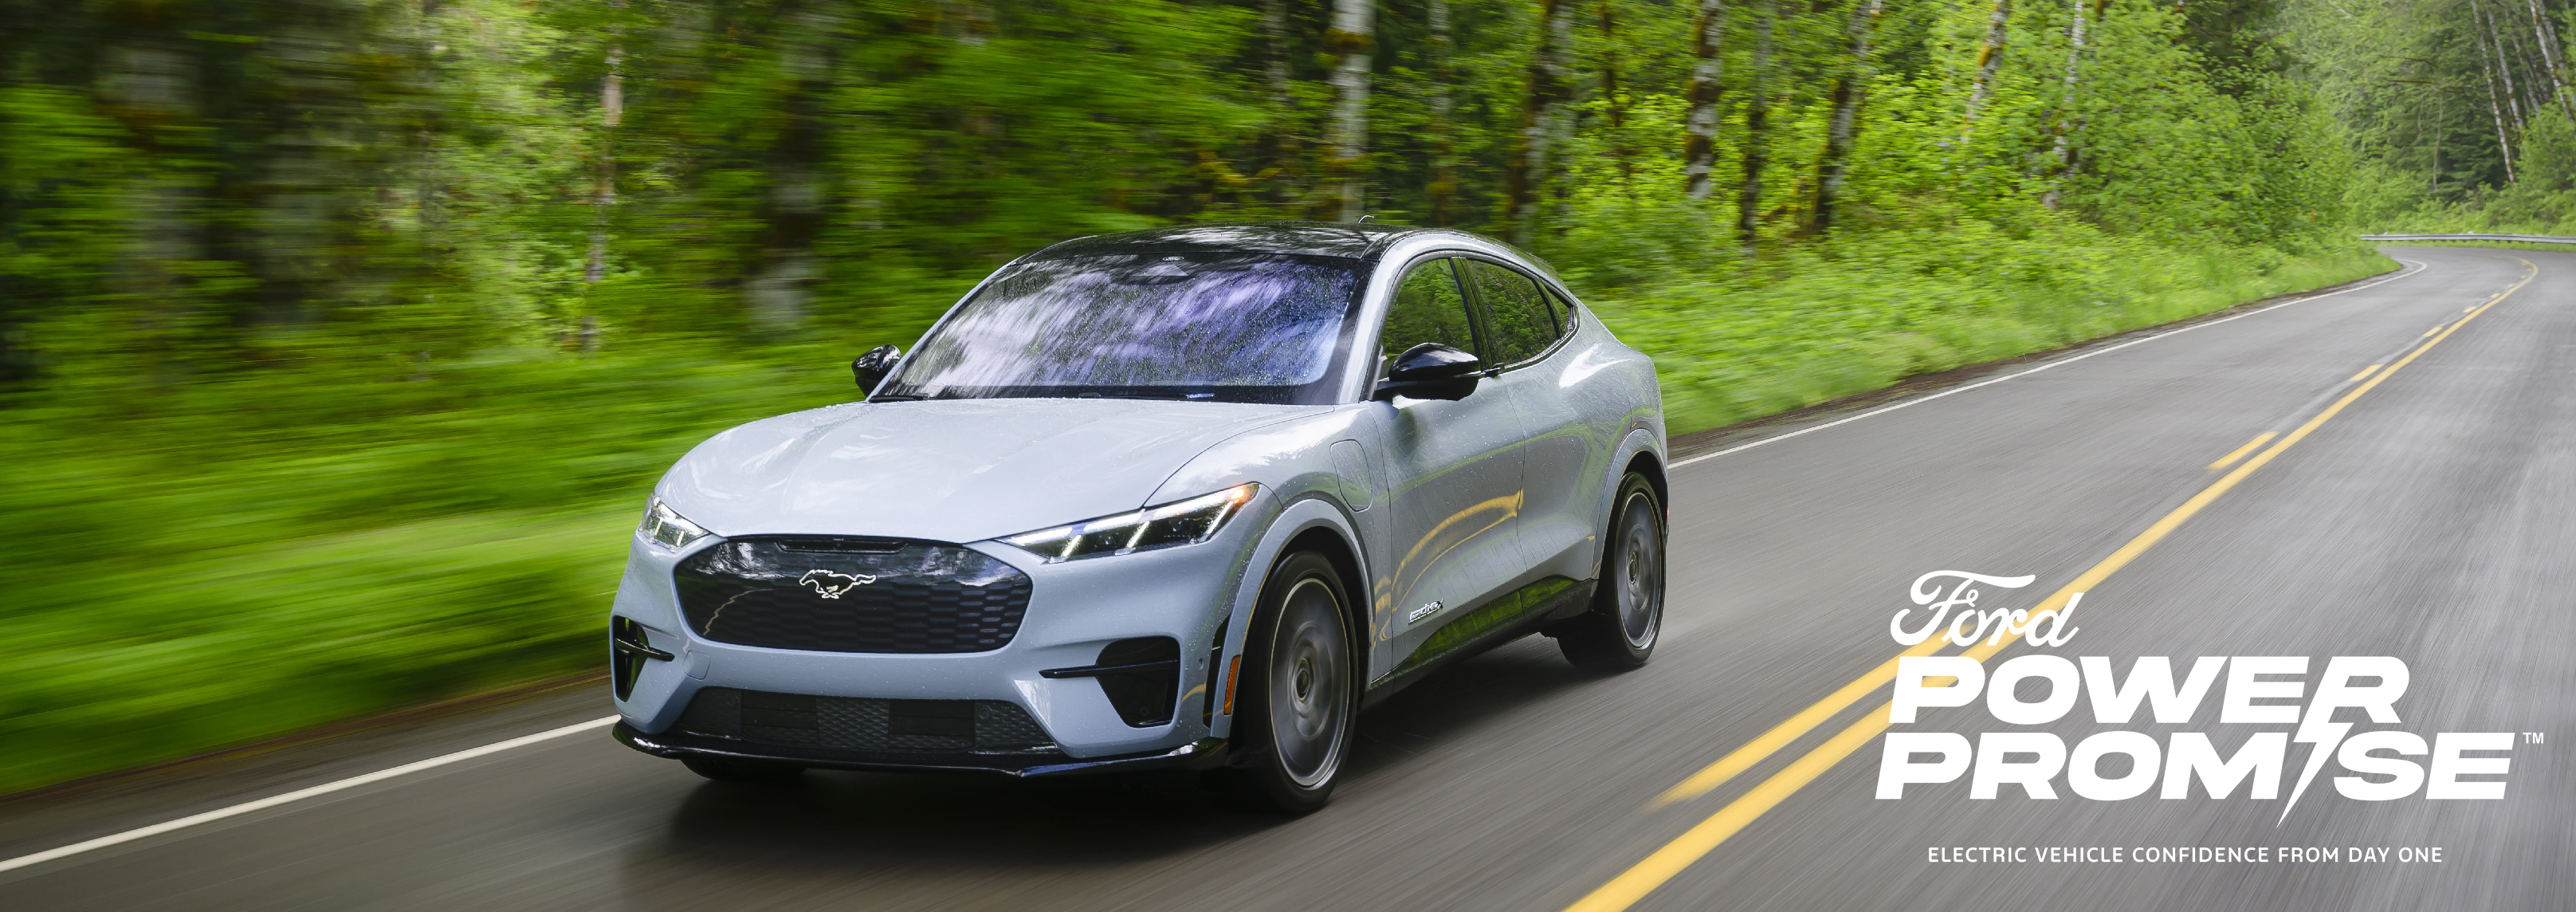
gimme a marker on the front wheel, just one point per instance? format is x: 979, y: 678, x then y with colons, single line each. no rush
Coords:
x: 1298, y: 695
x: 1627, y: 613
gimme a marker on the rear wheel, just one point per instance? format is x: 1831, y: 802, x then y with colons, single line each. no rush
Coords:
x: 1298, y: 700
x: 1627, y: 613
x: 737, y: 769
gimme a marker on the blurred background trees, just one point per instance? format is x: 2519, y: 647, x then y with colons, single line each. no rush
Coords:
x: 2460, y: 109
x: 340, y: 339
x: 206, y: 185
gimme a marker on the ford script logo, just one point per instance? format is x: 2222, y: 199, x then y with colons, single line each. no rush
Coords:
x: 830, y: 585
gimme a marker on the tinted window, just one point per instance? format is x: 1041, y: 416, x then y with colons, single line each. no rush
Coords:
x: 1519, y: 316
x: 1564, y: 312
x: 1228, y: 327
x: 1427, y: 308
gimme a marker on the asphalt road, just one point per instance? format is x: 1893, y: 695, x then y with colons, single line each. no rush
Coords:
x: 2432, y: 518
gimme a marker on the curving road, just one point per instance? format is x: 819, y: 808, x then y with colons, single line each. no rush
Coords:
x: 2426, y: 512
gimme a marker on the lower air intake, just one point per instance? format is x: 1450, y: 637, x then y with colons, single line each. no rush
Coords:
x: 865, y: 724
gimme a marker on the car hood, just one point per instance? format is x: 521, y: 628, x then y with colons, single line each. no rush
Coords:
x: 947, y: 470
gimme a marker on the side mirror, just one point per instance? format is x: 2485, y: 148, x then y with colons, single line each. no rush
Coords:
x: 1431, y: 371
x: 870, y: 369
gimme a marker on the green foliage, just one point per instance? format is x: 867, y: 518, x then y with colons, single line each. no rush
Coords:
x: 2456, y: 117
x: 340, y: 339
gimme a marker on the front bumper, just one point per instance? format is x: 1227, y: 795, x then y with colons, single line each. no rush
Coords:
x: 1076, y: 609
x: 1205, y: 753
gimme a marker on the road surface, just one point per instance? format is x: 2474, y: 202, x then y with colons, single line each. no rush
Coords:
x: 2431, y: 517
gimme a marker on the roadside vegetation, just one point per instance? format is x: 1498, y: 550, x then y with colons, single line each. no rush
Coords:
x: 2459, y: 112
x: 341, y: 339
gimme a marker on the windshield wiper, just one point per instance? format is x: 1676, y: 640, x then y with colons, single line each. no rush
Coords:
x: 1185, y: 397
x: 897, y: 397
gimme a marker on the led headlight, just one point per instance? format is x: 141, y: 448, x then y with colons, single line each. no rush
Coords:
x: 668, y: 528
x: 1180, y: 522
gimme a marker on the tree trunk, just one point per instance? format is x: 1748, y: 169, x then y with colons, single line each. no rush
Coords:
x: 2064, y: 153
x: 1284, y: 148
x: 2534, y: 95
x: 1444, y: 142
x: 2547, y: 36
x: 1990, y: 59
x: 792, y: 211
x: 1613, y: 105
x: 1848, y: 91
x: 603, y: 190
x: 1274, y: 37
x: 2504, y: 143
x: 2501, y: 70
x: 1699, y: 150
x: 1757, y: 129
x: 1351, y: 40
x: 151, y: 84
x: 1525, y: 172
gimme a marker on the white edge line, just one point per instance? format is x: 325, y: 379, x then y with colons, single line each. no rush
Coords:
x: 2419, y: 267
x: 301, y: 794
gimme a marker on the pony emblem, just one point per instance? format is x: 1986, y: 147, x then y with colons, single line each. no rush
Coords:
x: 830, y: 585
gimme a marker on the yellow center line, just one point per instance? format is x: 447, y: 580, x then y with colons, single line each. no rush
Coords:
x: 2356, y: 378
x: 1679, y: 854
x: 2239, y: 452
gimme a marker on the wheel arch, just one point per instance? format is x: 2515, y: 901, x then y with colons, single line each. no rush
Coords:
x: 1313, y: 522
x: 1648, y: 464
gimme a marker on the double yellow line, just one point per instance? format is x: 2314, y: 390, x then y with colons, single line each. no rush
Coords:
x: 1675, y: 856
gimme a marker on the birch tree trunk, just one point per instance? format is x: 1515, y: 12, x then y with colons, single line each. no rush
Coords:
x: 2501, y: 70
x: 603, y: 190
x: 1526, y: 170
x: 1990, y: 60
x: 1351, y: 39
x: 2534, y: 95
x: 2065, y: 151
x: 1614, y: 105
x: 1757, y: 129
x: 2547, y: 36
x: 1444, y: 141
x: 2504, y: 143
x: 1849, y: 88
x: 1699, y: 149
x: 1274, y: 36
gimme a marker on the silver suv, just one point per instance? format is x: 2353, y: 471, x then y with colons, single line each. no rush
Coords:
x: 1182, y: 498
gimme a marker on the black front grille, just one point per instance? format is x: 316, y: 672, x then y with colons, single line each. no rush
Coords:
x: 864, y: 724
x: 851, y: 595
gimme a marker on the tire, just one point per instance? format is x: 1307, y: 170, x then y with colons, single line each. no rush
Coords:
x: 1627, y: 615
x: 1299, y: 691
x: 735, y: 769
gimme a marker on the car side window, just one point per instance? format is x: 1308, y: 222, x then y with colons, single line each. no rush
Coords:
x: 1427, y: 308
x: 1564, y: 312
x: 1521, y: 318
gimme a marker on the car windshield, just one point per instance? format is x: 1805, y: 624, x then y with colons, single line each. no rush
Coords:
x: 1218, y: 327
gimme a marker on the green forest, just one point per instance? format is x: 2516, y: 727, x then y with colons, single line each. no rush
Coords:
x: 340, y: 340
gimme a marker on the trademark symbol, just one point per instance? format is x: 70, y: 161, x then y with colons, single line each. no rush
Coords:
x: 2531, y: 738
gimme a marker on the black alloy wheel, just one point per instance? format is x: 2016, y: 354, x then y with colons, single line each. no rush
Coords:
x: 1627, y: 614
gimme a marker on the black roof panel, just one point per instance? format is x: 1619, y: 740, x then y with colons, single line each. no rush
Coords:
x: 1343, y: 239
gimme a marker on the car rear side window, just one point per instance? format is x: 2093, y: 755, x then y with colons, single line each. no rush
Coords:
x: 1427, y: 308
x: 1519, y: 316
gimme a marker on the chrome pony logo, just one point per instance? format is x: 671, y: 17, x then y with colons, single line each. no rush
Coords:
x: 830, y: 585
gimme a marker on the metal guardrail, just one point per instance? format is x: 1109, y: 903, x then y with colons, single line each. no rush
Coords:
x: 2473, y: 236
